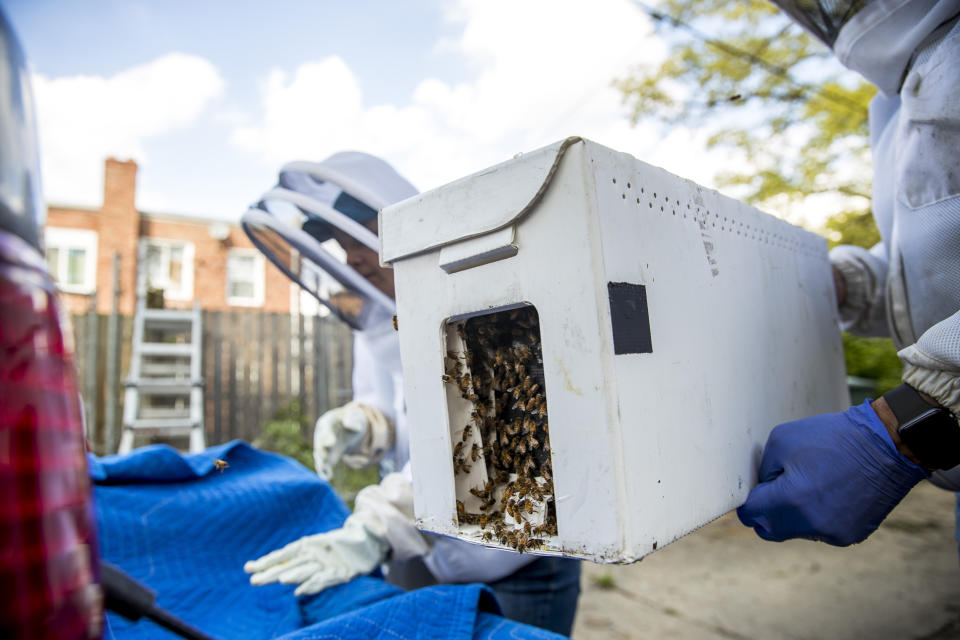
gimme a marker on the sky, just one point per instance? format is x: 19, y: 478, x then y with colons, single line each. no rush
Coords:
x: 212, y: 98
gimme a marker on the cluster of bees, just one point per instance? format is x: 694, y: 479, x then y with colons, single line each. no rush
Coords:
x: 500, y: 372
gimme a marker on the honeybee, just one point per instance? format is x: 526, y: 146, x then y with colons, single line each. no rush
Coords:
x: 487, y: 536
x: 533, y: 388
x: 220, y: 465
x: 446, y: 377
x: 545, y: 472
x: 457, y: 448
x: 520, y: 446
x: 464, y: 382
x: 528, y: 506
x: 528, y: 425
x: 528, y: 465
x: 483, y: 521
x: 475, y: 452
x: 498, y: 358
x: 531, y: 441
x: 396, y: 326
x: 506, y: 458
x: 461, y: 510
x: 516, y: 392
x: 476, y: 417
x: 462, y: 465
x: 504, y: 438
x: 521, y: 542
x: 526, y: 527
x: 541, y: 411
x: 522, y: 352
x: 472, y: 397
x: 520, y: 368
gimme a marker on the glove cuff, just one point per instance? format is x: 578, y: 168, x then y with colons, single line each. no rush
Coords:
x: 927, y: 374
x: 386, y: 509
x: 379, y: 438
x: 867, y: 417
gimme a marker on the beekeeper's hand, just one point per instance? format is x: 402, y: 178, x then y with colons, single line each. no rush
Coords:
x: 381, y: 526
x: 356, y: 433
x: 832, y: 477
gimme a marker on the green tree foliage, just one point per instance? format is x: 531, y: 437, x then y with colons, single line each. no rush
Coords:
x: 774, y: 95
x: 746, y: 81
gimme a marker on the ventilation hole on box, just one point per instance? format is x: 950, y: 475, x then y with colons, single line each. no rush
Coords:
x: 628, y: 185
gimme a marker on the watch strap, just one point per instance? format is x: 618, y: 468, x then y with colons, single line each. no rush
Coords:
x: 932, y: 433
x: 906, y: 403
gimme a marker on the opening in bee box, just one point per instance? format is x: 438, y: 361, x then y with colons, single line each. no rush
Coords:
x: 497, y: 406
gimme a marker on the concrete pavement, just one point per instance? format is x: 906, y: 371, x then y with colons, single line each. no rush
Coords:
x: 724, y: 582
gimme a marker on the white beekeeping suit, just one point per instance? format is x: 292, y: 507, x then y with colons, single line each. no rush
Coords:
x: 908, y: 286
x: 835, y: 477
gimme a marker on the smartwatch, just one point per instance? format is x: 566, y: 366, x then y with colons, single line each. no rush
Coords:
x: 932, y: 433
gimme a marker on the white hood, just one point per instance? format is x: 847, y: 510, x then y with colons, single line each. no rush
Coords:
x: 879, y: 40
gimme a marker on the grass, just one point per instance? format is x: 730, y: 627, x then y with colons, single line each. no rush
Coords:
x: 605, y: 581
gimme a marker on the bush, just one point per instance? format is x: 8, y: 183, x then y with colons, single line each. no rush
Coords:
x: 284, y: 434
x: 873, y: 358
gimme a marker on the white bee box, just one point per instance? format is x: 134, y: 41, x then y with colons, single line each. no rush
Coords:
x: 678, y: 327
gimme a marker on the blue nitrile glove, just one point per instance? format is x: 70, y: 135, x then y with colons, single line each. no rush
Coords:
x: 832, y: 477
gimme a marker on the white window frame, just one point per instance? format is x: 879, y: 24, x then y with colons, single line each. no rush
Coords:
x: 63, y: 239
x: 185, y: 291
x: 259, y: 278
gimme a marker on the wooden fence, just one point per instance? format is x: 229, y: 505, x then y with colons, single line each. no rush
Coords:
x: 255, y: 364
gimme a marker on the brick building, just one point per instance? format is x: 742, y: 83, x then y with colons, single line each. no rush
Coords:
x: 189, y: 258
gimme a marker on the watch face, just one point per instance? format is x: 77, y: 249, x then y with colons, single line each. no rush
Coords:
x: 934, y: 437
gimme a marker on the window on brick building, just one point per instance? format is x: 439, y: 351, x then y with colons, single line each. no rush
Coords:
x: 245, y: 278
x: 72, y: 258
x: 168, y: 265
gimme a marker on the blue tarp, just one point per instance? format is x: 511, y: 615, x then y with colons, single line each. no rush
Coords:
x: 185, y: 529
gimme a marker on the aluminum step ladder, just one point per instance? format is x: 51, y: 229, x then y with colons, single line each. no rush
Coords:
x: 164, y: 392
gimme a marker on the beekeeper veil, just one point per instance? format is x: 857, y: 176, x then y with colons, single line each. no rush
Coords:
x: 294, y: 224
x: 876, y: 38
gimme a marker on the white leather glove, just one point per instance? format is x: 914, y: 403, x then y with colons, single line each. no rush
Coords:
x: 357, y: 433
x: 380, y: 526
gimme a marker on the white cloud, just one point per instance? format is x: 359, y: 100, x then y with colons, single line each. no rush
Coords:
x: 84, y: 119
x: 542, y: 70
